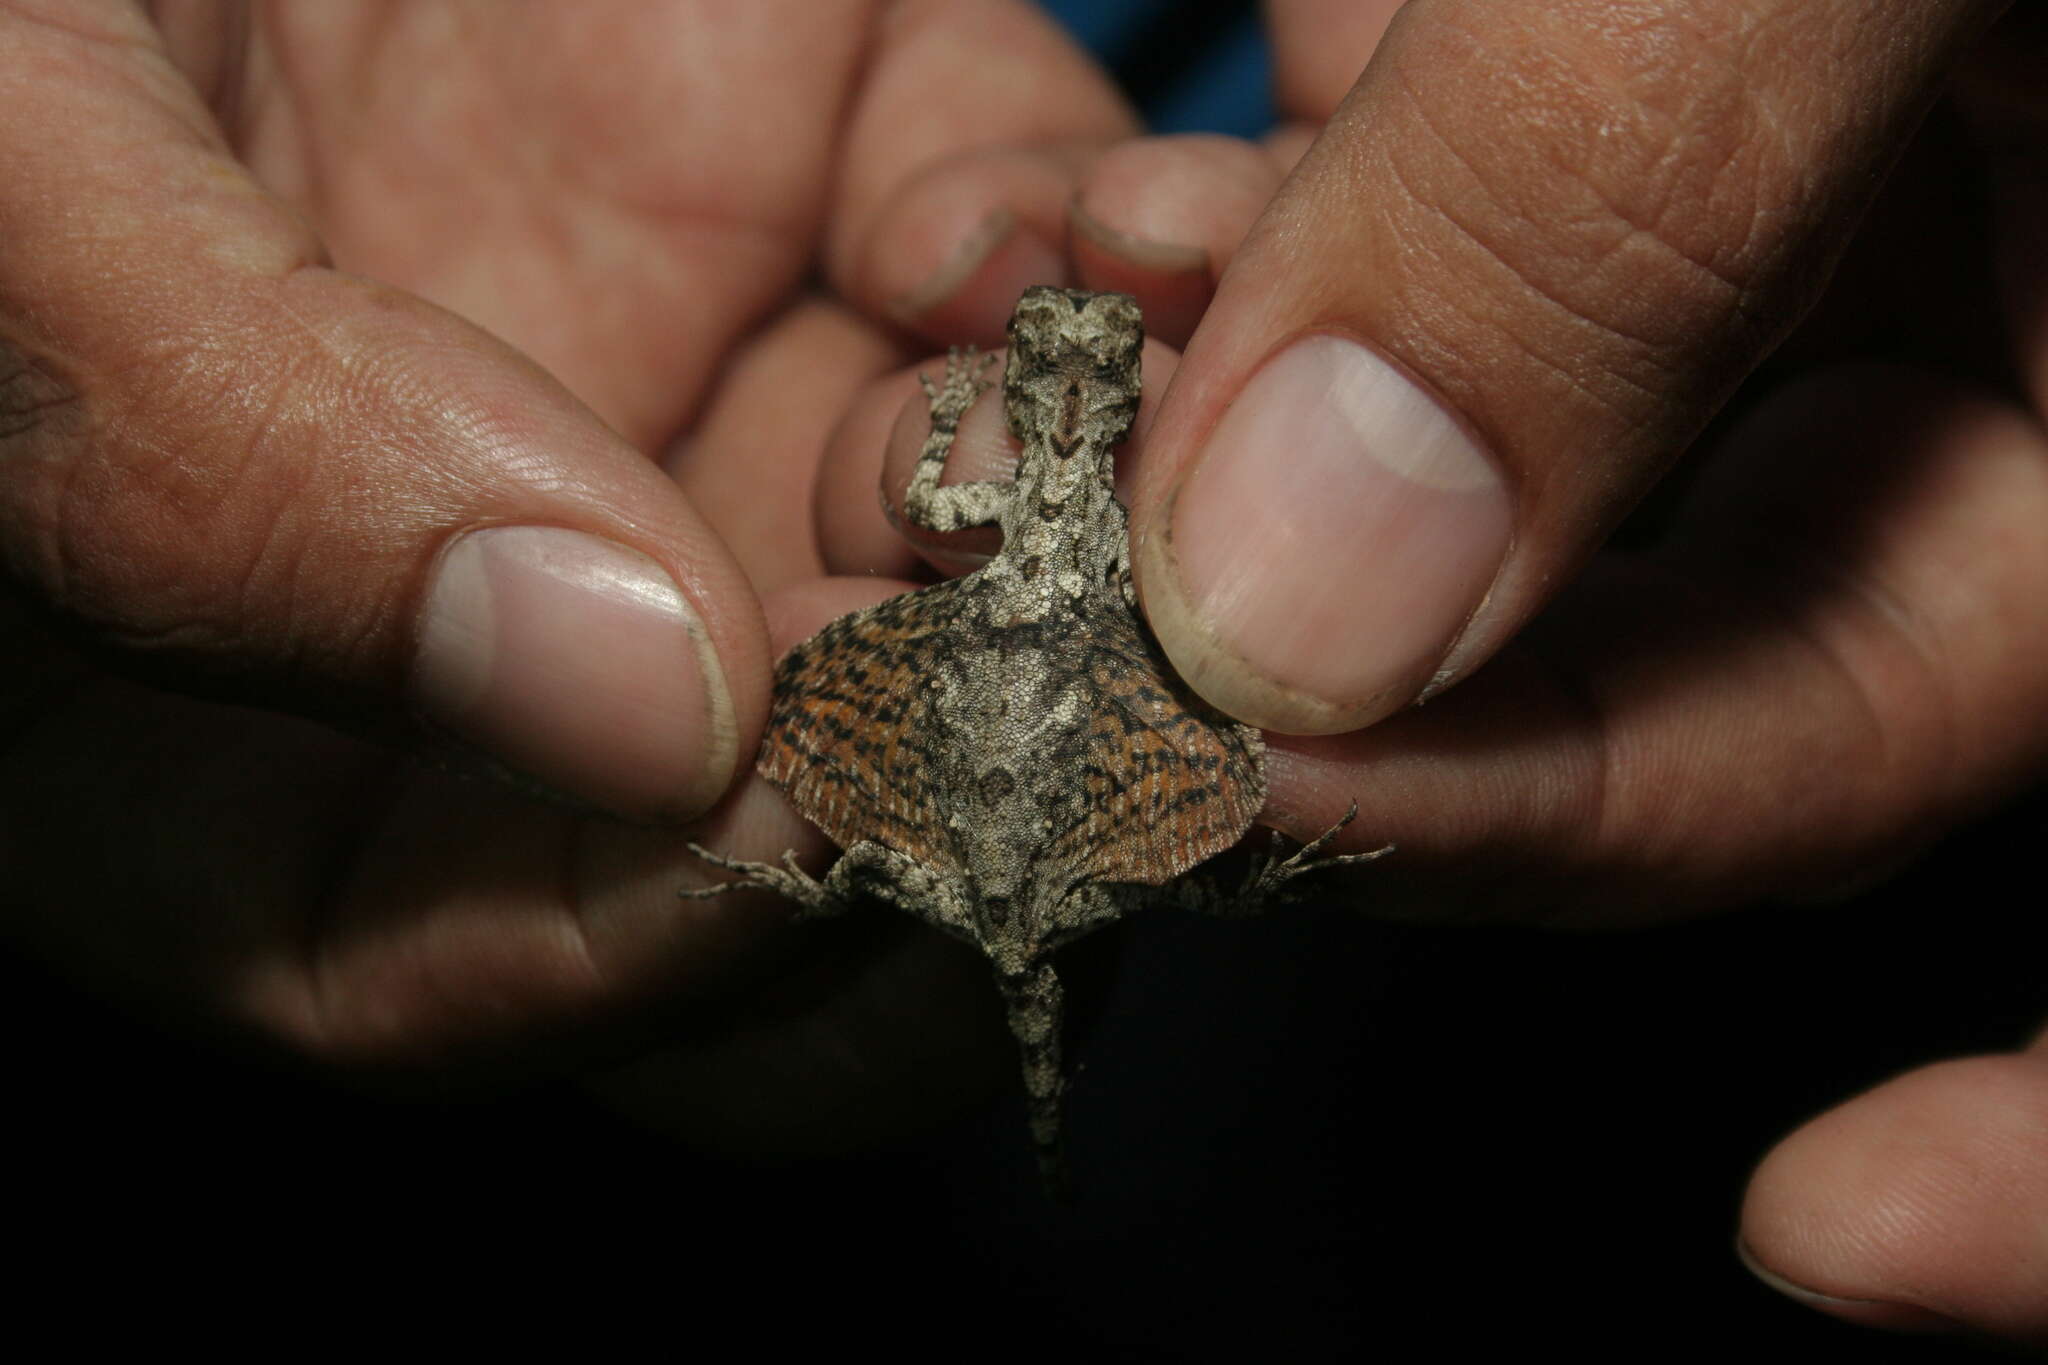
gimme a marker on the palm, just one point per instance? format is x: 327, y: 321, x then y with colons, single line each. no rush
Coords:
x: 618, y: 190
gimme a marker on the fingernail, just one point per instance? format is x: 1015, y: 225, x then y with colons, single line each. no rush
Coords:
x: 1895, y: 1317
x: 1165, y: 258
x: 1329, y: 544
x: 579, y: 664
x: 998, y: 257
x: 1173, y: 279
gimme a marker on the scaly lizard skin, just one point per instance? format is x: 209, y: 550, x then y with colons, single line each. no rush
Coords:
x: 1008, y: 755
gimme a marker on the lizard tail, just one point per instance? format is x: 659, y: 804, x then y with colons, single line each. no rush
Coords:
x: 1035, y: 1002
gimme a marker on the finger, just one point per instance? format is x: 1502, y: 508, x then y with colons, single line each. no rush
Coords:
x: 1829, y: 662
x: 1505, y: 286
x: 857, y: 533
x: 948, y: 258
x: 471, y: 924
x: 877, y: 447
x: 2005, y: 104
x: 1158, y: 218
x: 230, y: 864
x: 1920, y: 1206
x: 1319, y: 47
x: 1288, y: 143
x: 235, y: 471
x: 974, y: 124
x: 751, y: 465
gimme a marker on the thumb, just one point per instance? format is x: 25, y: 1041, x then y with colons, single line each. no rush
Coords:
x: 1516, y: 273
x: 238, y: 472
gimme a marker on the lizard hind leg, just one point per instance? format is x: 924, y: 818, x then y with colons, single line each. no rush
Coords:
x: 812, y: 897
x: 1272, y: 879
x: 1036, y: 1002
x: 1272, y: 874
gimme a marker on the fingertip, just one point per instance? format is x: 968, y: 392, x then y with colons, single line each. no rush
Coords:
x: 1172, y: 281
x: 855, y: 534
x: 1286, y: 144
x: 1547, y: 354
x: 983, y: 451
x: 382, y: 518
x: 991, y: 102
x: 1890, y: 1317
x: 873, y: 456
x: 1158, y: 218
x: 1213, y: 667
x: 581, y: 665
x: 963, y: 294
x: 1325, y: 544
x: 1922, y: 1201
x: 949, y: 254
x: 1320, y: 47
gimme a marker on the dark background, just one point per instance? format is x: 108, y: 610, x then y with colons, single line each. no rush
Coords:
x: 1307, y: 1136
x: 1302, y: 1136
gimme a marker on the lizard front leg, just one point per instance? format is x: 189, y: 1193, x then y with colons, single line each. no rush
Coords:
x: 965, y: 504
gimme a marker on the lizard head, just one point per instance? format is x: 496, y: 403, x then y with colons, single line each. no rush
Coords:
x: 1060, y: 335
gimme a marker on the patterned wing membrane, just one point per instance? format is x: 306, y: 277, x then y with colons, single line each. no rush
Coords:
x: 1169, y: 783
x: 848, y: 735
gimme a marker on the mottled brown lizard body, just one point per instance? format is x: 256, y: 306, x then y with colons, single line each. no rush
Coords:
x: 1008, y: 755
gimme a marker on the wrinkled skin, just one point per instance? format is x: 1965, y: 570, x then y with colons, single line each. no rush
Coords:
x: 236, y: 472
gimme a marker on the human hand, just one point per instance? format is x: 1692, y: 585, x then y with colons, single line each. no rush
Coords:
x: 1521, y: 267
x: 236, y: 473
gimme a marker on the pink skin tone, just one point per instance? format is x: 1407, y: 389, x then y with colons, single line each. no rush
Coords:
x: 1441, y: 331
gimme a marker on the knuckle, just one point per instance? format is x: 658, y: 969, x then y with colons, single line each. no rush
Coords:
x: 163, y: 512
x: 35, y: 404
x: 1635, y: 182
